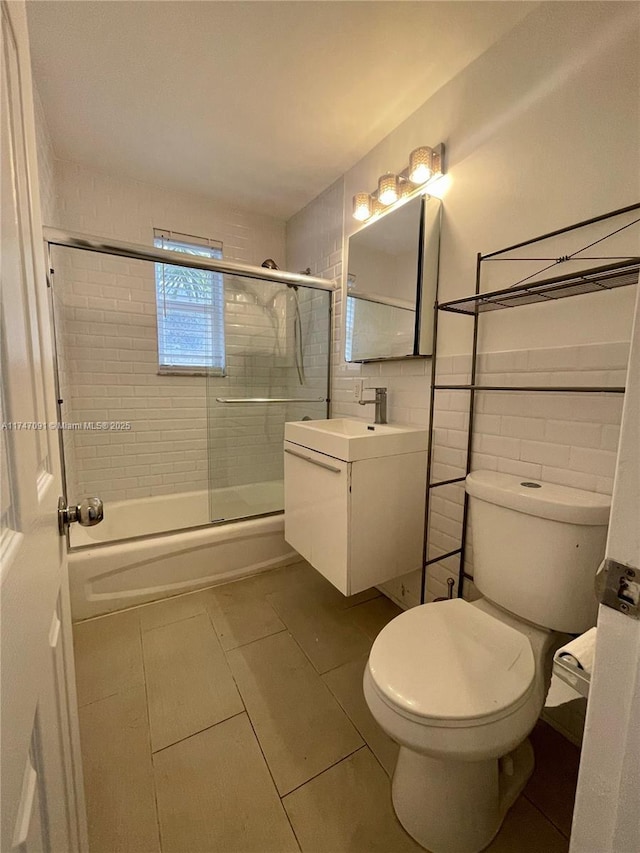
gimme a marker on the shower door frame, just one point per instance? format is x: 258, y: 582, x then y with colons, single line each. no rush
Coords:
x: 136, y: 251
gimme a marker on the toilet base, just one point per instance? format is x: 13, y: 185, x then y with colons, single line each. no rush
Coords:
x: 457, y: 806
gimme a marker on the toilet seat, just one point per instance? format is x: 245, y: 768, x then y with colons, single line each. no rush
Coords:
x: 452, y: 665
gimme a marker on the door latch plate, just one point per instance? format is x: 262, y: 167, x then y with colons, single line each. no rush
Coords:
x: 620, y: 588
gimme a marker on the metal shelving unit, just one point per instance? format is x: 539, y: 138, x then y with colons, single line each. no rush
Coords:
x: 623, y: 272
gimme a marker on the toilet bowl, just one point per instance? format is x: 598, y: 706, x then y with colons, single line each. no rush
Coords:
x: 459, y: 686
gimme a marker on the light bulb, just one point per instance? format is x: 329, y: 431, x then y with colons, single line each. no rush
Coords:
x: 361, y: 206
x: 388, y: 188
x: 420, y: 165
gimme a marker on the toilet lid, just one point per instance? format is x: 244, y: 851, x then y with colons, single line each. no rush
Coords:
x: 452, y: 664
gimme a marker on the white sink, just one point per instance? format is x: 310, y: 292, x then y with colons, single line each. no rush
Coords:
x: 350, y: 440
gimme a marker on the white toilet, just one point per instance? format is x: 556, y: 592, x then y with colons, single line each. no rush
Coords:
x: 460, y: 686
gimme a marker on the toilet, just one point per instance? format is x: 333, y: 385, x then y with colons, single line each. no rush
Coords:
x: 459, y: 686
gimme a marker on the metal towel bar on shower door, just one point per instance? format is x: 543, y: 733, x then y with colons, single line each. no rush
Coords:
x: 271, y: 400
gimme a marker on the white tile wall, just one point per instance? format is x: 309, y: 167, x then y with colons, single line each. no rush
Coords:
x: 181, y: 438
x: 107, y: 331
x: 570, y: 439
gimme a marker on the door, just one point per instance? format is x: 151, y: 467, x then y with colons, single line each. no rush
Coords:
x: 42, y: 800
x: 607, y: 812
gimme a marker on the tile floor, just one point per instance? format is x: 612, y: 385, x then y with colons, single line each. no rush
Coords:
x: 232, y: 720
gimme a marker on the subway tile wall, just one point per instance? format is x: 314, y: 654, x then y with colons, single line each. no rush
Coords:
x: 107, y: 335
x: 568, y: 439
x: 181, y: 437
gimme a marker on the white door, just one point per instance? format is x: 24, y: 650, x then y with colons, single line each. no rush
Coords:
x: 42, y: 800
x: 607, y: 812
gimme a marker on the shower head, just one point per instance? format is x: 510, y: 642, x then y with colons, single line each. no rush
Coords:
x: 270, y: 264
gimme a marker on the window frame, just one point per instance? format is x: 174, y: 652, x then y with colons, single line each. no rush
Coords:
x: 177, y: 241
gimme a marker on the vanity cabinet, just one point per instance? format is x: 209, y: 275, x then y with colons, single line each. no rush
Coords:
x: 358, y: 523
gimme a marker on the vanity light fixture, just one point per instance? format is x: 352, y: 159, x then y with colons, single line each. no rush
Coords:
x: 420, y: 169
x: 362, y: 208
x: 425, y: 165
x: 388, y: 188
x: 406, y: 187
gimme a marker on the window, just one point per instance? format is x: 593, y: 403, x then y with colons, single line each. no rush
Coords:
x: 190, y: 308
x: 348, y: 331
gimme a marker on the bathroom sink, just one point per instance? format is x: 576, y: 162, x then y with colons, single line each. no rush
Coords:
x: 350, y: 439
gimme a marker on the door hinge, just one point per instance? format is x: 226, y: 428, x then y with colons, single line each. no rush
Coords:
x: 619, y: 588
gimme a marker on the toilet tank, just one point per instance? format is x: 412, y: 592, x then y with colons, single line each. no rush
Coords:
x: 537, y: 547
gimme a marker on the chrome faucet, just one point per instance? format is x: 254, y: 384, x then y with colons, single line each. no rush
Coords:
x: 380, y: 402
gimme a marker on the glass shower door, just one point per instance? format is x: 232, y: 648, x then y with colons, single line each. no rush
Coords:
x: 277, y: 348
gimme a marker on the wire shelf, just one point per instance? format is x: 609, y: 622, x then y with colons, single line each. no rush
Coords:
x: 595, y: 280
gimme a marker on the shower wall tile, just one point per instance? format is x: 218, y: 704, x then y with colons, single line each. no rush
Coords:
x: 107, y: 332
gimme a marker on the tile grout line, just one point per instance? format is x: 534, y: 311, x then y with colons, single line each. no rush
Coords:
x: 170, y: 624
x: 546, y: 817
x: 314, y: 667
x: 344, y: 663
x: 275, y: 787
x: 108, y: 696
x: 330, y: 767
x: 355, y: 725
x: 146, y: 703
x: 257, y: 640
x: 199, y: 732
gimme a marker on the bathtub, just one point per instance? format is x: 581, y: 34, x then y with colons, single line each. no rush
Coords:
x: 107, y: 575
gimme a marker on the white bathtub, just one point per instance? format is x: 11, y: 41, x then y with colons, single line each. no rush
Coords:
x: 107, y: 576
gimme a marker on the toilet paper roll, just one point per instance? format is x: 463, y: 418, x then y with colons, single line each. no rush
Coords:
x: 580, y: 652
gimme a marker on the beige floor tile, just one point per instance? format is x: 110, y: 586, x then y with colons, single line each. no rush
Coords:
x: 189, y: 685
x: 345, y: 682
x: 241, y: 613
x: 281, y: 578
x: 553, y: 784
x: 215, y: 795
x: 309, y: 583
x: 327, y: 634
x: 118, y: 774
x: 172, y: 610
x: 526, y: 830
x: 374, y: 615
x: 301, y: 728
x: 108, y: 656
x: 348, y: 808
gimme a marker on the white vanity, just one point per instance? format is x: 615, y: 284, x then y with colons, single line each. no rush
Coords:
x: 354, y: 499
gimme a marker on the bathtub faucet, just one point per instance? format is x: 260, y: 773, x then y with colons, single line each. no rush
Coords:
x: 380, y: 402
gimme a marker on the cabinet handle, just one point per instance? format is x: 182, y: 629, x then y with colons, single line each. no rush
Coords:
x: 314, y: 461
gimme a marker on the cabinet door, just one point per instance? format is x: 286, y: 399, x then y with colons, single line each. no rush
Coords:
x: 387, y: 518
x: 316, y: 509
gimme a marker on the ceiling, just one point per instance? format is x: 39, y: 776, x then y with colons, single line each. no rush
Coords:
x: 266, y: 102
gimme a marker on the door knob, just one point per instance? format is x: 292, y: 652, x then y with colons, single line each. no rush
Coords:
x: 88, y: 512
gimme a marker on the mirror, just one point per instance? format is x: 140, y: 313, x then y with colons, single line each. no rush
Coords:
x: 392, y: 277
